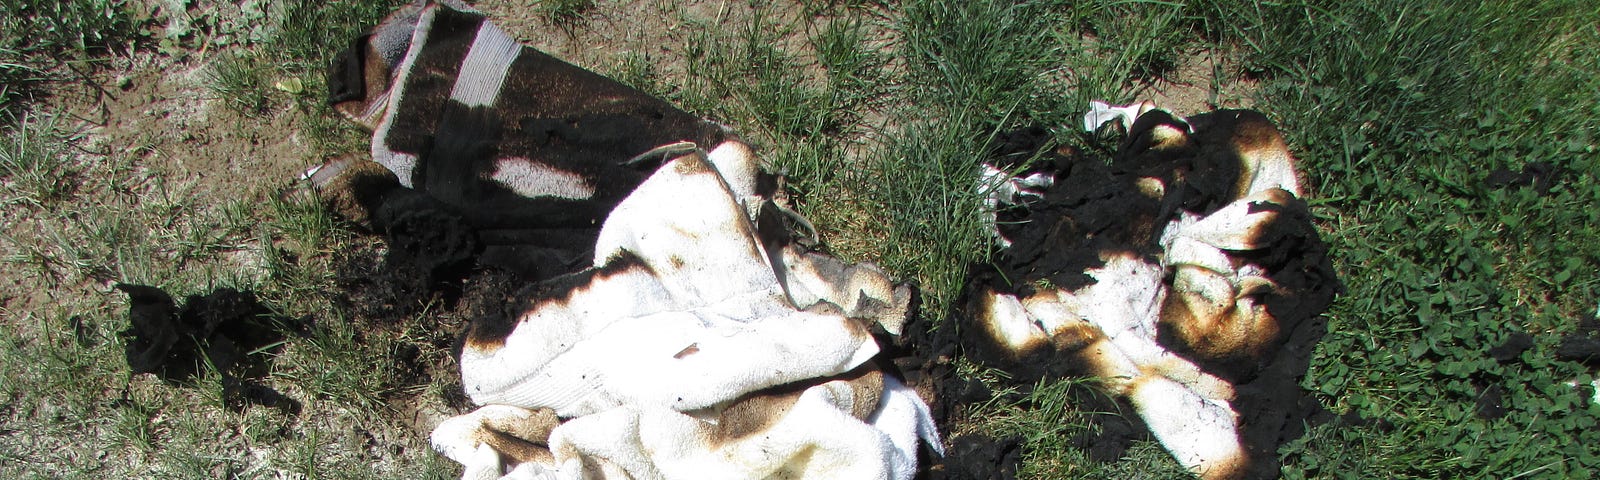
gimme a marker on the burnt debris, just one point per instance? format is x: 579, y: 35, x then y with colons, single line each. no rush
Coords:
x: 530, y: 170
x: 226, y: 329
x: 1540, y: 176
x: 1512, y: 348
x: 980, y: 457
x: 1167, y: 174
x: 1583, y: 345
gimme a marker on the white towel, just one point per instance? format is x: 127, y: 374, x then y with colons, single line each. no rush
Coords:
x: 681, y: 322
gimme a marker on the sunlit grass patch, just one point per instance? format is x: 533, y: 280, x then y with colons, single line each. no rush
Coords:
x: 921, y: 185
x: 244, y: 80
x: 1399, y: 124
x: 978, y: 59
x: 564, y: 12
x: 35, y: 168
x: 40, y: 40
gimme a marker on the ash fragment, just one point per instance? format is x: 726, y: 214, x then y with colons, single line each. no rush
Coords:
x: 430, y: 252
x: 1490, y: 402
x: 1514, y: 346
x: 1060, y: 237
x: 432, y: 246
x: 1273, y: 410
x: 1583, y: 345
x: 1584, y: 350
x: 980, y: 457
x: 227, y: 329
x: 923, y: 355
x: 1541, y: 176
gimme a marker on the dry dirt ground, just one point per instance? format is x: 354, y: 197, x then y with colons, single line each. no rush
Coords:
x: 160, y: 148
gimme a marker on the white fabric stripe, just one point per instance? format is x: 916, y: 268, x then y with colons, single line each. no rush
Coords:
x: 401, y: 165
x: 533, y: 180
x: 484, y: 70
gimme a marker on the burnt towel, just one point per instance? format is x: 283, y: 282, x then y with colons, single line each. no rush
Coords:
x: 682, y: 354
x: 532, y: 152
x: 664, y: 335
x: 1185, y: 275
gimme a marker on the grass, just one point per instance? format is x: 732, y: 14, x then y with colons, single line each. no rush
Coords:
x: 1396, y: 109
x: 34, y: 51
x: 239, y: 80
x: 35, y: 168
x: 1398, y: 145
x: 564, y: 12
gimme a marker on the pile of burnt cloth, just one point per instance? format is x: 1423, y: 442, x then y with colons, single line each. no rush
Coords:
x: 1184, y: 275
x: 672, y: 328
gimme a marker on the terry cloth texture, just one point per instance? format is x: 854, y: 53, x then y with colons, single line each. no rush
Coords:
x: 1185, y: 275
x: 683, y: 354
x: 532, y: 152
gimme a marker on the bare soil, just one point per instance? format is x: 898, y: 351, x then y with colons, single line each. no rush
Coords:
x: 1201, y: 82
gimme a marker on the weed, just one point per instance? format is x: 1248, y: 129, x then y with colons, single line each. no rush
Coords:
x: 304, y: 222
x: 346, y: 368
x: 243, y: 79
x: 1110, y: 49
x: 133, y: 425
x: 981, y: 58
x: 327, y: 133
x: 37, y: 38
x: 922, y: 188
x: 16, y: 77
x: 311, y: 31
x: 564, y: 12
x: 638, y: 70
x: 35, y: 164
x: 857, y: 72
x: 74, y: 27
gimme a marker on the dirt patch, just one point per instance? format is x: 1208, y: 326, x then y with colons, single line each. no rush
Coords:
x: 148, y: 137
x: 1202, y: 81
x: 609, y: 32
x: 166, y: 118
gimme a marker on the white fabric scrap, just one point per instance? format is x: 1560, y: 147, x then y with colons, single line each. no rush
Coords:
x: 707, y: 285
x: 1101, y: 113
x: 999, y: 187
x: 535, y: 180
x: 817, y: 438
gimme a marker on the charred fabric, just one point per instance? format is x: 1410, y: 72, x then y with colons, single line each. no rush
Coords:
x: 1184, y: 275
x: 659, y: 313
x: 667, y: 324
